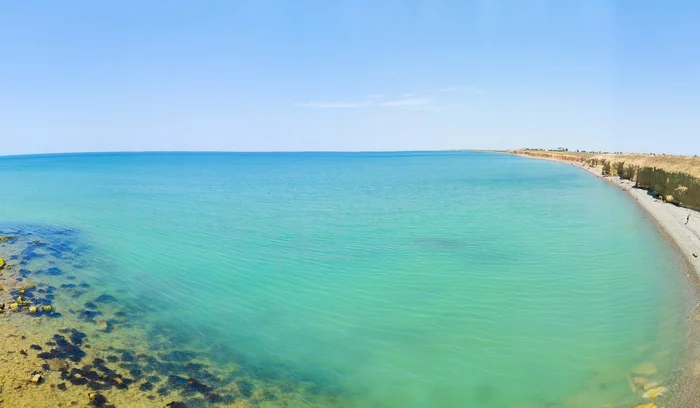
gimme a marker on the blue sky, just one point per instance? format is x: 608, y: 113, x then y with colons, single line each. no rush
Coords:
x: 349, y: 75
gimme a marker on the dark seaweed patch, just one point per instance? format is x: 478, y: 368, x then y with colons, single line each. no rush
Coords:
x: 99, y: 400
x: 135, y: 372
x: 245, y: 388
x: 64, y: 349
x: 77, y: 337
x: 30, y: 252
x: 79, y: 381
x: 193, y: 367
x: 177, y: 381
x: 177, y: 355
x: 88, y: 315
x: 214, y: 398
x: 35, y: 347
x: 106, y: 299
x: 146, y: 386
x: 128, y: 356
x: 90, y: 305
x: 53, y: 271
x: 61, y: 386
x: 197, y: 386
x: 96, y: 377
x: 68, y: 286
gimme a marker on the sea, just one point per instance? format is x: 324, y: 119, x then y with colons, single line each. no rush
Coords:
x: 397, y: 279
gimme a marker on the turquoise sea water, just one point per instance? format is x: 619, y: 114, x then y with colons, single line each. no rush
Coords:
x: 371, y: 279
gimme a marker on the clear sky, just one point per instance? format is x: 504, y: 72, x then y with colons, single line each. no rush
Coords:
x: 349, y: 75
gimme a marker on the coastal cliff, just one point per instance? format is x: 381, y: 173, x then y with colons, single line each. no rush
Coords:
x: 675, y: 179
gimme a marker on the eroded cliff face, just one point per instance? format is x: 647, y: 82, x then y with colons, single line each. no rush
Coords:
x: 673, y: 178
x: 675, y: 187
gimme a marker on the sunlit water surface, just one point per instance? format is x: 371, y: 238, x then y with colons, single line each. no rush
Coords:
x: 370, y: 280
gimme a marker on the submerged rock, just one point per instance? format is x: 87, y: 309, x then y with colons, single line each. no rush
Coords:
x: 103, y: 325
x: 36, y: 379
x: 654, y: 392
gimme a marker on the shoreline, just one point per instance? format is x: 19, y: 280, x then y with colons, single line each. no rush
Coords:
x: 669, y: 218
x: 685, y: 239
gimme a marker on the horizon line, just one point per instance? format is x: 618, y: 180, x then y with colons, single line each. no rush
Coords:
x: 245, y: 152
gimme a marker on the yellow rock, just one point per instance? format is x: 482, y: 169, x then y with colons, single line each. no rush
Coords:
x: 14, y: 306
x: 648, y: 405
x: 48, y: 308
x: 22, y: 291
x: 654, y: 392
x: 2, y: 263
x: 650, y: 385
x: 32, y: 309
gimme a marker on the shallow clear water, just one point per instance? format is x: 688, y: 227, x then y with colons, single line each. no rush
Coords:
x: 367, y: 279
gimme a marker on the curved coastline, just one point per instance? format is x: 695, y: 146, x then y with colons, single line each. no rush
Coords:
x: 98, y: 324
x: 685, y: 239
x: 669, y: 218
